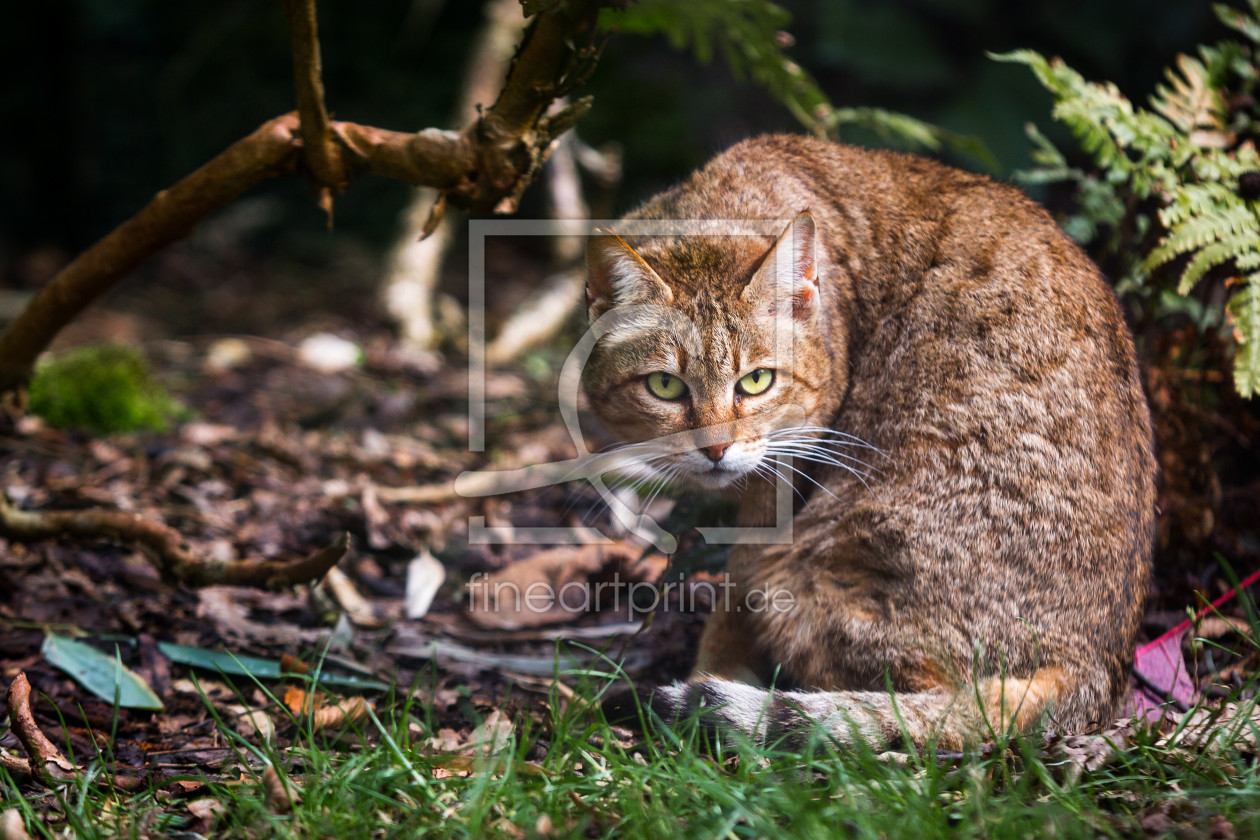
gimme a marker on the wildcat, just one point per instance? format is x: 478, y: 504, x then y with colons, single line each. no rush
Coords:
x: 971, y: 447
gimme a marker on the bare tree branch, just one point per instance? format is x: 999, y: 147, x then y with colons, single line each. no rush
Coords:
x: 486, y: 167
x: 408, y: 286
x: 513, y: 138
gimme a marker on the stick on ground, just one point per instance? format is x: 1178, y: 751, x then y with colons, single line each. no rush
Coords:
x: 166, y: 549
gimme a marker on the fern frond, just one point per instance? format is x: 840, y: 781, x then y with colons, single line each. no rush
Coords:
x: 747, y: 36
x: 1183, y: 150
x: 1128, y: 143
x: 1192, y: 200
x: 1219, y: 225
x: 1244, y: 309
x: 1212, y: 256
x: 1192, y: 102
x: 1239, y: 21
x: 1217, y: 165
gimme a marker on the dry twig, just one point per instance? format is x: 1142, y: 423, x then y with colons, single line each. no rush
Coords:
x: 46, y: 761
x: 15, y: 766
x: 166, y: 548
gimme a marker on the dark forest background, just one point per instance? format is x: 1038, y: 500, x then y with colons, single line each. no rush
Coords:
x: 106, y: 102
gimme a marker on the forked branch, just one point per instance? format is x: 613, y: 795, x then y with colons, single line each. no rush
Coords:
x: 487, y: 166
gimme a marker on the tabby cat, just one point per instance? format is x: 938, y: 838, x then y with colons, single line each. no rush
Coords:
x: 971, y: 446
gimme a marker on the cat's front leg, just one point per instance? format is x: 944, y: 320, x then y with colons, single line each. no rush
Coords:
x: 729, y: 648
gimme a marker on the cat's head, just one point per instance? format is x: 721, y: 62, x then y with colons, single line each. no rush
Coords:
x: 711, y: 349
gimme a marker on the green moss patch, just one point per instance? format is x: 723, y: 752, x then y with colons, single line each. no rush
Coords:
x: 105, y: 388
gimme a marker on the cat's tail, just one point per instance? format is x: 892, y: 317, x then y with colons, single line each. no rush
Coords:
x: 991, y: 709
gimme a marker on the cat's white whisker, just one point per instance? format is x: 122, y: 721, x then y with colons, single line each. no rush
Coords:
x: 767, y: 468
x: 861, y: 475
x: 666, y: 480
x: 821, y: 455
x: 846, y: 438
x: 811, y: 479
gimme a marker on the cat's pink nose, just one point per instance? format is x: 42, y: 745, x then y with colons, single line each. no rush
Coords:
x: 716, y: 451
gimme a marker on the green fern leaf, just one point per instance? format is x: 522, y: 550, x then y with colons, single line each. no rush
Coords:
x: 1244, y: 308
x: 1238, y: 20
x: 1205, y: 259
x: 1189, y: 236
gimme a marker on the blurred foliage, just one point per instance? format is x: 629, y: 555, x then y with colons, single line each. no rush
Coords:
x: 749, y: 35
x: 105, y: 389
x: 119, y: 99
x: 1173, y: 194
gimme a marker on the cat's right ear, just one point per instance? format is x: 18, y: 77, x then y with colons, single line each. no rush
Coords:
x: 789, y: 272
x: 616, y: 275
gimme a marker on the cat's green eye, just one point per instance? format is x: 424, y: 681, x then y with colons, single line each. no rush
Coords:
x: 757, y: 382
x: 665, y: 385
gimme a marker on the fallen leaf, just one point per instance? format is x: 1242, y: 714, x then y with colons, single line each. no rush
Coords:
x: 12, y: 826
x: 207, y: 434
x: 324, y: 714
x: 494, y: 733
x: 536, y: 665
x: 297, y: 700
x: 1159, y: 668
x: 425, y: 576
x: 206, y: 811
x: 103, y: 675
x: 227, y: 662
x: 223, y: 606
x: 279, y: 794
x: 555, y: 585
x: 328, y: 353
x: 343, y: 591
x: 252, y: 722
x: 346, y: 713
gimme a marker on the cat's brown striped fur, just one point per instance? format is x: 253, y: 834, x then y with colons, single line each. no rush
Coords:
x: 990, y: 565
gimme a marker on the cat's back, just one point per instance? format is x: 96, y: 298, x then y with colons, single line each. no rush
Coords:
x: 887, y: 218
x: 945, y: 285
x: 865, y: 199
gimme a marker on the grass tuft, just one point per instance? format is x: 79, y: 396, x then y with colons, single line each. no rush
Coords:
x: 570, y: 775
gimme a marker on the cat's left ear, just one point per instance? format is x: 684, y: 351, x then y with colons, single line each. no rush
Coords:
x: 789, y: 271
